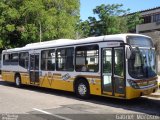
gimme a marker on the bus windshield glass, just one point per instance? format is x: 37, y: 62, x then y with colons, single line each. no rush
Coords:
x: 139, y: 41
x: 142, y: 63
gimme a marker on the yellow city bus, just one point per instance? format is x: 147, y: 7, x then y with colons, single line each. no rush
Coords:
x: 119, y: 66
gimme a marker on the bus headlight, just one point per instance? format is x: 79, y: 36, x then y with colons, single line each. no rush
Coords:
x: 133, y: 84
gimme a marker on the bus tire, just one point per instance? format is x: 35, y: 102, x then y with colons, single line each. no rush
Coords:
x: 18, y: 80
x: 82, y: 89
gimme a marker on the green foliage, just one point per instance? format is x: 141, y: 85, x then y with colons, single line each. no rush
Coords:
x: 133, y: 20
x: 21, y: 20
x: 83, y: 29
x: 10, y: 28
x: 112, y: 19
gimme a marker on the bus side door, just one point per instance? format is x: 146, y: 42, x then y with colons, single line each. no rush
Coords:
x: 113, y: 80
x: 34, y: 69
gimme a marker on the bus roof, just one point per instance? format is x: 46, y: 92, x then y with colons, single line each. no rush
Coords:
x: 64, y: 42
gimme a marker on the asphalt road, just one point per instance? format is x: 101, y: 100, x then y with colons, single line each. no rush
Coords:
x: 44, y: 104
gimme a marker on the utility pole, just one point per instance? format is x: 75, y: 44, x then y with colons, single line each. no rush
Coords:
x: 40, y: 31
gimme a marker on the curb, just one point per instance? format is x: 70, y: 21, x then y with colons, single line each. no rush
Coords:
x: 154, y: 95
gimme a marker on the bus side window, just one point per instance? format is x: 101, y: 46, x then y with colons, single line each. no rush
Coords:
x: 14, y: 59
x: 24, y: 59
x: 87, y: 58
x: 6, y: 59
x: 65, y: 59
x: 48, y: 60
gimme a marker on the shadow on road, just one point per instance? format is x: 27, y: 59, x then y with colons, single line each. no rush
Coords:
x: 7, y: 83
x: 142, y: 104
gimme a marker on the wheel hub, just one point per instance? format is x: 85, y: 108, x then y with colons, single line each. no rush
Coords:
x: 82, y: 89
x: 17, y: 81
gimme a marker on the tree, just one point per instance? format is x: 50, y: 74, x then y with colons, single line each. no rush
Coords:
x: 112, y: 19
x: 22, y: 21
x: 133, y: 20
x: 83, y: 29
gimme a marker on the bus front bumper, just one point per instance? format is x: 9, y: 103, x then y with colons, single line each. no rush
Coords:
x: 135, y: 93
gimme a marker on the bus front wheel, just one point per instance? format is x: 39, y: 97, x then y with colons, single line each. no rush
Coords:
x: 18, y: 81
x: 82, y: 89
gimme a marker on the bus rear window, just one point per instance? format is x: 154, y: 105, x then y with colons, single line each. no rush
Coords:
x: 139, y: 41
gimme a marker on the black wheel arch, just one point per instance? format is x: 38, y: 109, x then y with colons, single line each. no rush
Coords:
x: 17, y: 74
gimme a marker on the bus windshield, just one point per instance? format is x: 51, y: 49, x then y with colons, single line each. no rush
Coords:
x: 142, y: 63
x: 139, y: 41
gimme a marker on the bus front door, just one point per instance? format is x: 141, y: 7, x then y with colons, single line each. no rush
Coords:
x: 34, y: 69
x: 113, y: 82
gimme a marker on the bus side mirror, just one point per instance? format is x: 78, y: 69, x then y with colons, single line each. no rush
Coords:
x: 128, y: 52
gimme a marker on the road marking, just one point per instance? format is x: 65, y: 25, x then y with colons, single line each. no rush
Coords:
x: 48, y: 113
x: 42, y: 111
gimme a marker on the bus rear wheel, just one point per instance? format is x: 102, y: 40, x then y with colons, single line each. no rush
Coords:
x: 18, y: 81
x: 82, y: 89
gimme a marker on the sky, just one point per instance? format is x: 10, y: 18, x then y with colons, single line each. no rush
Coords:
x: 87, y: 6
